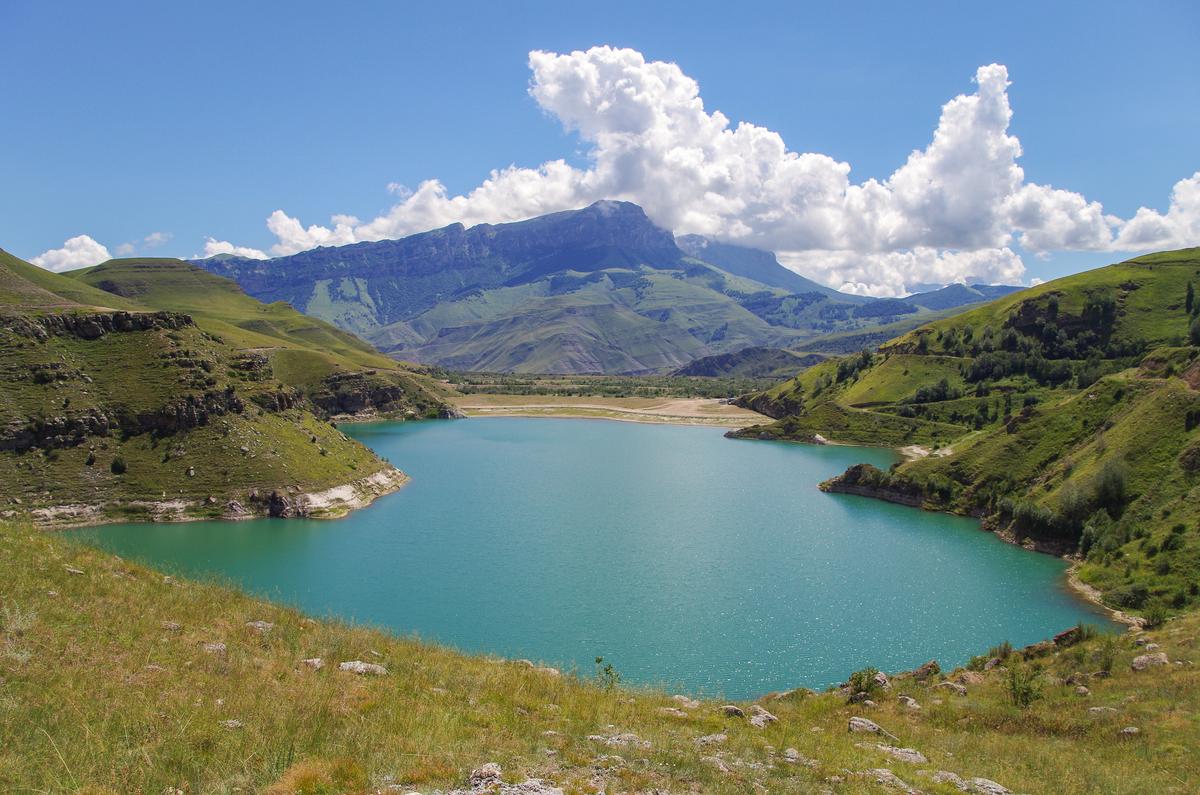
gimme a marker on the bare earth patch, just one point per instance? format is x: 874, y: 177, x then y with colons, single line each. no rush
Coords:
x: 678, y: 411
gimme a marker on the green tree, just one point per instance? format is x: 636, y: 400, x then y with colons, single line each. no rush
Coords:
x: 1195, y: 332
x: 1191, y: 297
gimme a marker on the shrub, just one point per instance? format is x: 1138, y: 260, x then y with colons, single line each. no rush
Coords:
x: 1106, y: 653
x: 1002, y: 651
x: 1133, y: 595
x: 1022, y: 686
x: 1112, y: 485
x: 606, y: 675
x: 1194, y: 333
x: 1155, y: 615
x: 864, y: 681
x: 118, y: 466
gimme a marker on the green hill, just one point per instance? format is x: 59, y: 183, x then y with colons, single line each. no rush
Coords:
x: 122, y: 403
x: 1066, y: 415
x: 337, y: 371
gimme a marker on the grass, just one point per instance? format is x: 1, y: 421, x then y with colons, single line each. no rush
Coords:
x: 106, y: 687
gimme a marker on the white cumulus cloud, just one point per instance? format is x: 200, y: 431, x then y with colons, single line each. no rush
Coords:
x: 80, y: 251
x: 214, y: 247
x: 951, y: 212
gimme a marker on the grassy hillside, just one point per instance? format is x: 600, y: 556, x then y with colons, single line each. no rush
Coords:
x: 303, y: 352
x: 117, y: 409
x: 1067, y: 415
x: 112, y: 684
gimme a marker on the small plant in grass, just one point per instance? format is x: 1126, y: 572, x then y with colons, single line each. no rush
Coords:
x: 1022, y: 686
x: 607, y: 676
x: 1085, y: 632
x: 864, y: 681
x: 1002, y: 651
x: 1156, y: 615
x: 118, y: 466
x: 1106, y: 653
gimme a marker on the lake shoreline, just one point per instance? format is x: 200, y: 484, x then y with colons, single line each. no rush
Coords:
x: 333, y: 502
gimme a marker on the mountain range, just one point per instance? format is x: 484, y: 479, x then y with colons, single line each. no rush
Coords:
x: 597, y: 290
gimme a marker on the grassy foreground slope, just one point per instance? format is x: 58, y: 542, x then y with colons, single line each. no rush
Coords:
x: 114, y: 409
x: 1067, y: 416
x: 116, y: 679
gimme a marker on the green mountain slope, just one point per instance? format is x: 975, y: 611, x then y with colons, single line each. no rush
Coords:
x: 750, y: 363
x: 596, y: 290
x: 1067, y: 416
x: 337, y: 371
x: 146, y: 411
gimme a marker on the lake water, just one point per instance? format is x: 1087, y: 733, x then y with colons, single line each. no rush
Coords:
x: 685, y: 559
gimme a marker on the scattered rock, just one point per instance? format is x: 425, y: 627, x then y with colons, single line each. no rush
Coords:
x: 685, y: 702
x: 1144, y: 661
x: 362, y: 668
x: 232, y: 724
x: 672, y: 712
x: 985, y: 786
x: 1099, y: 711
x: 953, y: 687
x: 711, y: 739
x: 759, y: 717
x: 969, y: 678
x: 215, y: 648
x: 909, y: 702
x: 73, y: 570
x: 927, y: 670
x: 261, y: 627
x: 1151, y: 647
x: 953, y: 779
x: 486, y: 776
x: 987, y: 666
x: 315, y: 663
x: 860, y: 725
x: 733, y: 711
x: 886, y: 778
x: 624, y: 740
x: 1082, y: 690
x: 910, y: 755
x: 794, y: 757
x: 716, y: 762
x: 547, y: 670
x: 171, y: 626
x: 882, y: 681
x: 1130, y: 731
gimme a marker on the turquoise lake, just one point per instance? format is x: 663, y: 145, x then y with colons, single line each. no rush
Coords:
x: 685, y: 559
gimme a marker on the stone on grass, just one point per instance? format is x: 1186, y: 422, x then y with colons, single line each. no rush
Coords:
x: 362, y: 668
x: 716, y: 762
x: 953, y: 687
x: 759, y: 717
x: 261, y: 627
x: 685, y: 702
x: 623, y: 740
x: 794, y: 757
x: 672, y: 712
x: 1130, y: 731
x: 1081, y: 690
x: 215, y: 648
x: 886, y: 778
x: 232, y: 724
x: 73, y: 570
x: 1098, y: 711
x: 859, y: 725
x: 910, y: 755
x: 985, y: 786
x: 315, y: 663
x: 171, y: 626
x: 909, y: 702
x: 1144, y: 661
x: 927, y: 670
x: 711, y: 739
x: 733, y: 711
x: 953, y: 779
x: 486, y: 776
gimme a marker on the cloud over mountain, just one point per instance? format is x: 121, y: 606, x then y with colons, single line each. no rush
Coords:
x: 80, y: 251
x: 952, y: 212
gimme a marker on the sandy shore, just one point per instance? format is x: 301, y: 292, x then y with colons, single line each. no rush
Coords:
x: 675, y: 411
x: 1092, y: 595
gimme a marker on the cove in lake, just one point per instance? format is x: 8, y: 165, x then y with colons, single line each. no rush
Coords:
x: 683, y: 558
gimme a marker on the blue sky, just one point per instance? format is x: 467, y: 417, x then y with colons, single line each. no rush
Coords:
x: 200, y: 120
